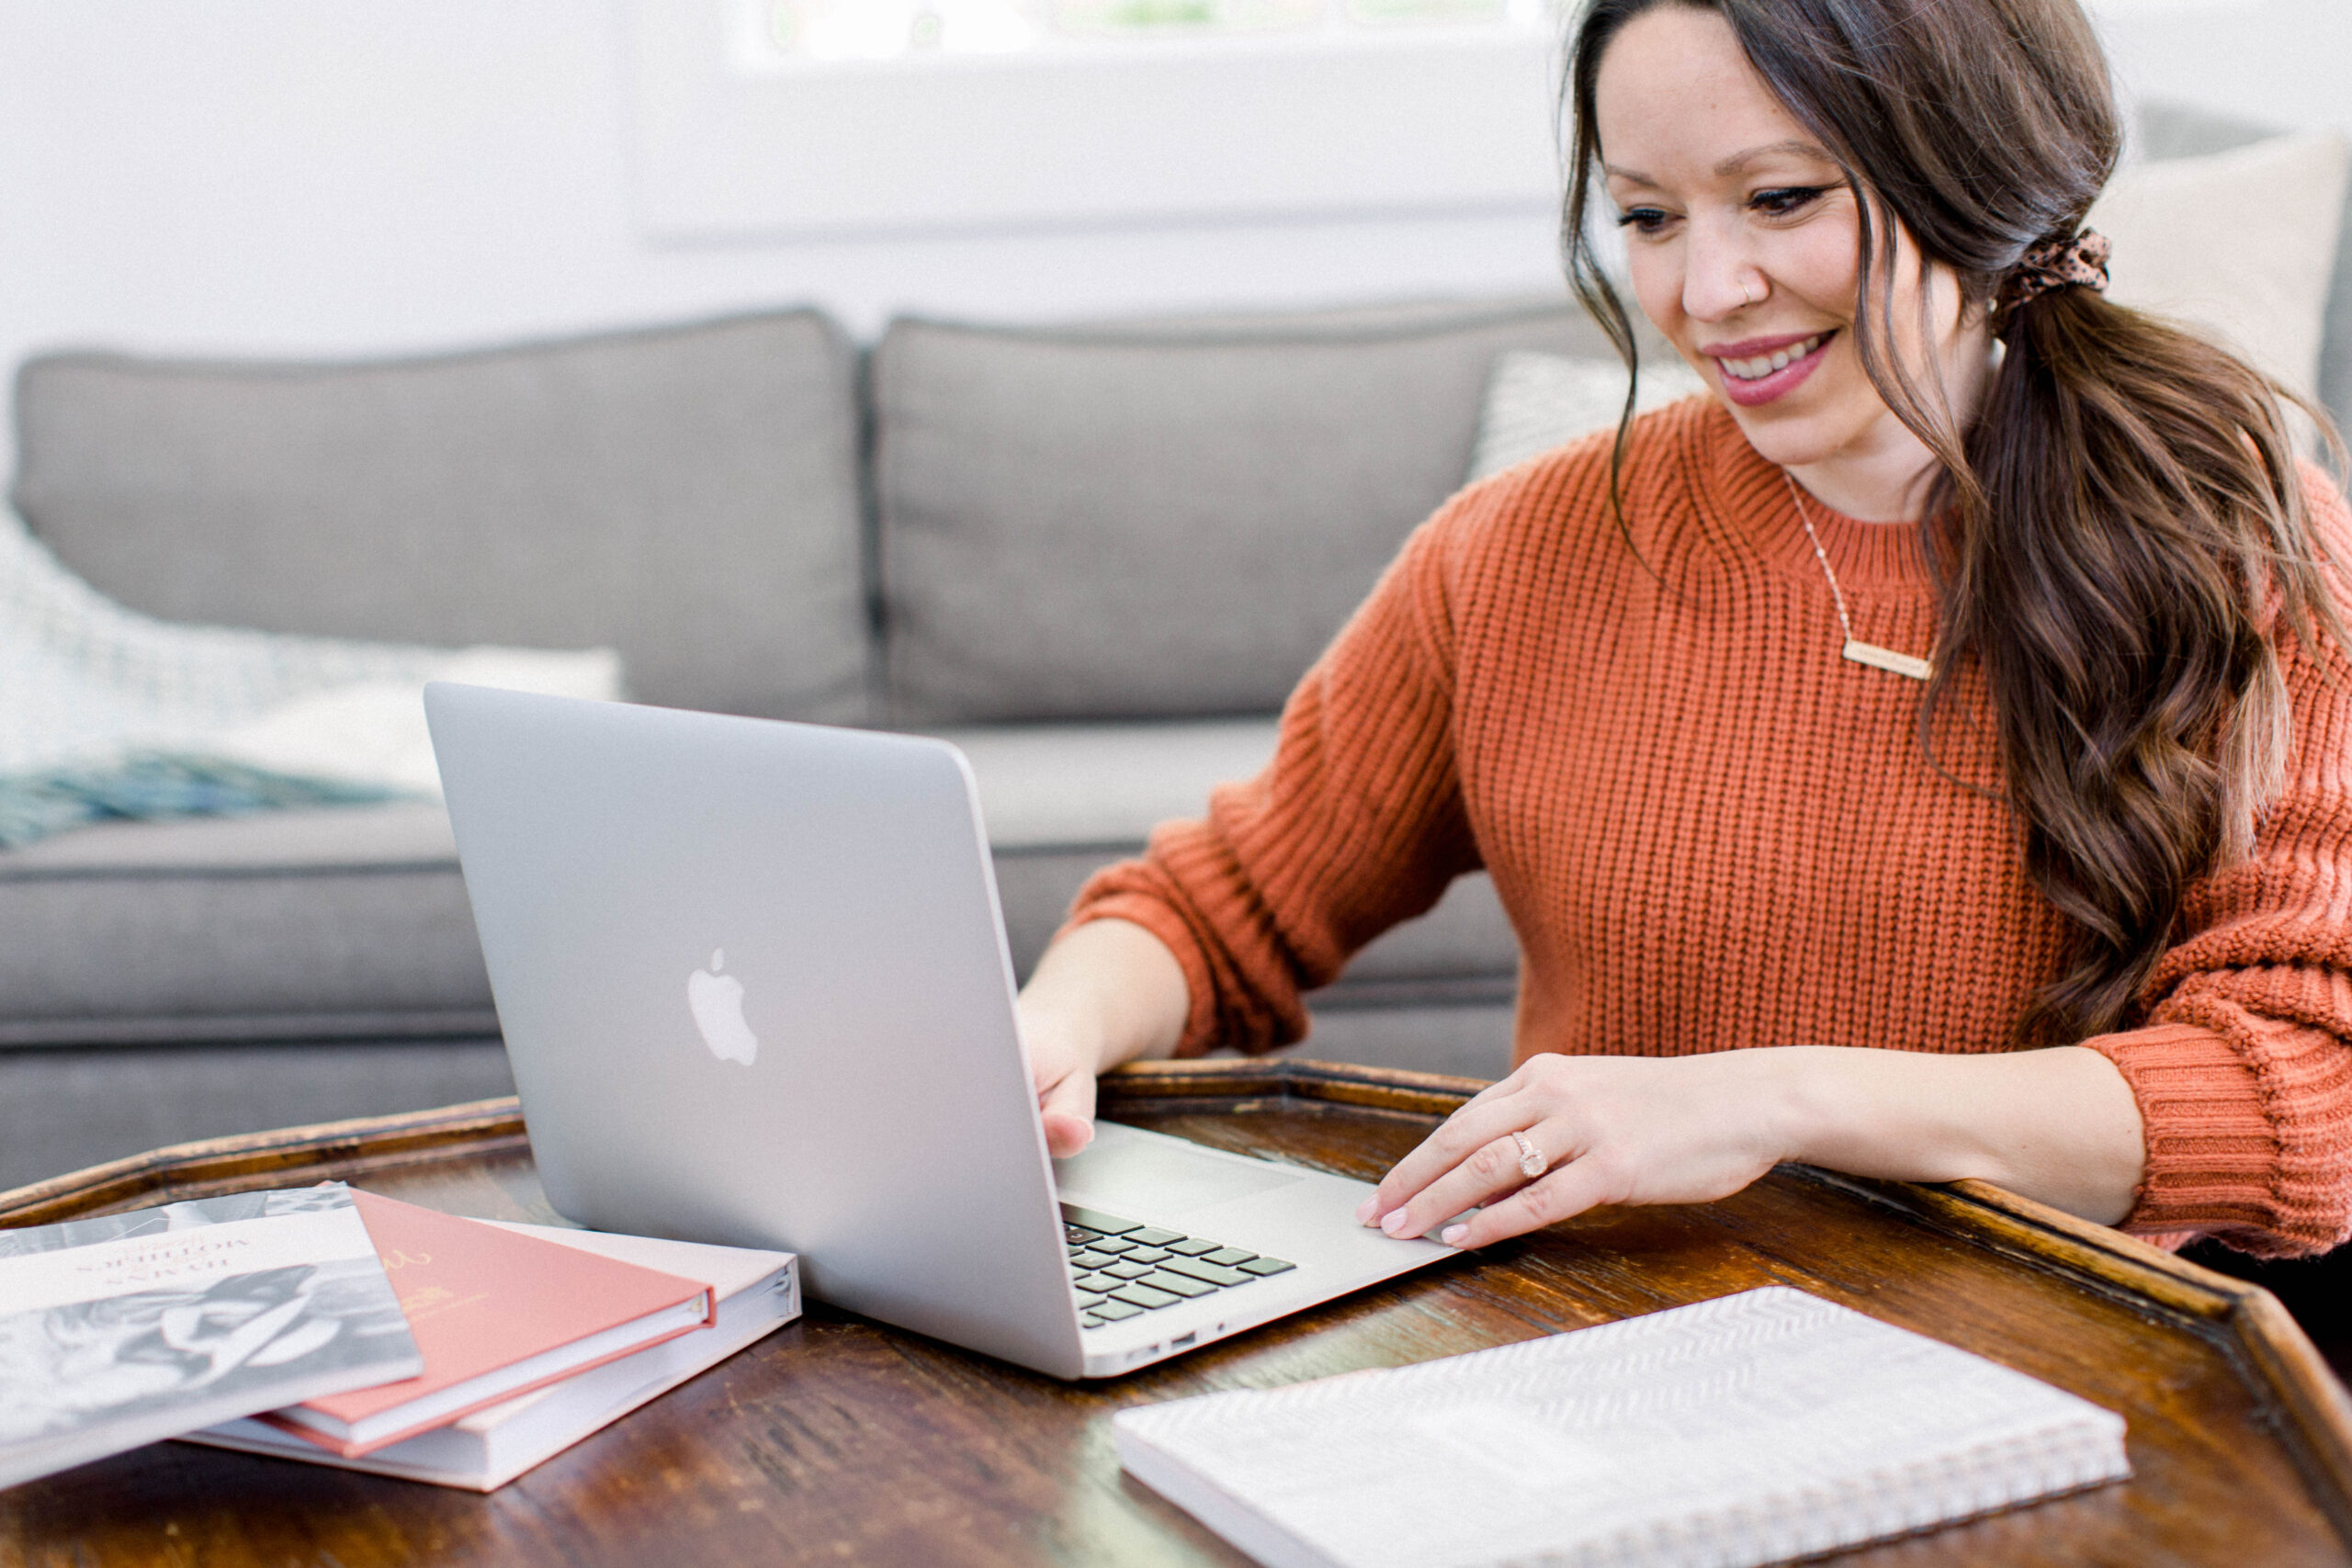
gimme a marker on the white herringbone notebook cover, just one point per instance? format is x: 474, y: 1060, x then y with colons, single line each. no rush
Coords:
x: 1749, y: 1429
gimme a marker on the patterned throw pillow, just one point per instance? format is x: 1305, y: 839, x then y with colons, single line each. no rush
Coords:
x: 1537, y: 402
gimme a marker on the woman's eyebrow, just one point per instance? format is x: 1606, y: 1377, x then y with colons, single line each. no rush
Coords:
x: 1793, y: 148
x: 1736, y: 162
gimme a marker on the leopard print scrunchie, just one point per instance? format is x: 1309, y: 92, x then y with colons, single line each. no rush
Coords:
x: 2076, y: 262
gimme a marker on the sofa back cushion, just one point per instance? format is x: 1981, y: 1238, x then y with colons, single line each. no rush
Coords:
x: 1161, y: 519
x: 2181, y: 131
x: 687, y: 495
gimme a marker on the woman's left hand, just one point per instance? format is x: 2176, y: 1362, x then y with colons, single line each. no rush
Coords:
x: 1608, y: 1129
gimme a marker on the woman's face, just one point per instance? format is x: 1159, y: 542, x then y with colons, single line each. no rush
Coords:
x: 1742, y: 242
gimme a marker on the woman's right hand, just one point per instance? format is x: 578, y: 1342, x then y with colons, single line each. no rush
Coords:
x: 1063, y: 1063
x: 1105, y: 992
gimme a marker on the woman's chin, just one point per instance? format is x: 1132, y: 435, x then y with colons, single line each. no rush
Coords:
x: 1784, y: 436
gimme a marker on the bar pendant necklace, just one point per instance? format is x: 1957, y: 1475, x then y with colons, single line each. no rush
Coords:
x: 1857, y: 650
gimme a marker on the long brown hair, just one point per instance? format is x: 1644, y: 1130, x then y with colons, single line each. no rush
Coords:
x: 2121, y: 526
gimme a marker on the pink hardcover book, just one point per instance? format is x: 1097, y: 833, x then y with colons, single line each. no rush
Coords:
x: 495, y: 1314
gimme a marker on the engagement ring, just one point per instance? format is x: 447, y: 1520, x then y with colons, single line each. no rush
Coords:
x: 1530, y: 1159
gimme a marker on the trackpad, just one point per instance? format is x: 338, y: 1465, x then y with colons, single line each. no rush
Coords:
x: 1124, y: 1175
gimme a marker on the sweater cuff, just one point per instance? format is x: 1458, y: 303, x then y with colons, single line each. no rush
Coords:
x: 2213, y: 1155
x: 1156, y: 917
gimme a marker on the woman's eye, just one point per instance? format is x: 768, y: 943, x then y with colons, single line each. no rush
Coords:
x: 1643, y: 220
x: 1785, y: 202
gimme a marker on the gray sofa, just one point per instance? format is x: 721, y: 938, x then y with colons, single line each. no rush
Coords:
x: 1097, y: 556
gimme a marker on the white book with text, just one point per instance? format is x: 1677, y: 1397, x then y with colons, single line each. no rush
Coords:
x: 123, y: 1329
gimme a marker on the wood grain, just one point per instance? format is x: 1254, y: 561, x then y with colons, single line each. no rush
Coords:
x: 839, y: 1440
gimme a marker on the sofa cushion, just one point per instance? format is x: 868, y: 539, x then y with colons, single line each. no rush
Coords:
x: 2240, y: 244
x: 687, y: 495
x: 283, y: 925
x: 1152, y: 520
x: 352, y: 922
x: 1061, y: 801
x: 70, y: 1109
x: 2180, y: 130
x: 1076, y: 787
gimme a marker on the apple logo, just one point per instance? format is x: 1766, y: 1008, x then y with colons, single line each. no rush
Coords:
x: 716, y: 1002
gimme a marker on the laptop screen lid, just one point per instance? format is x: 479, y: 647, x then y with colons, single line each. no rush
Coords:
x: 756, y: 991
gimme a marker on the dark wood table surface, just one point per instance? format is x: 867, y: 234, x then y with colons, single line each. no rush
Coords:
x: 837, y: 1440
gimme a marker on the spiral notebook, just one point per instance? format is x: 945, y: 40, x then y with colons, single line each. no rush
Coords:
x: 1755, y: 1428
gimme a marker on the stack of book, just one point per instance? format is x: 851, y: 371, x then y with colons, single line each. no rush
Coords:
x: 349, y: 1329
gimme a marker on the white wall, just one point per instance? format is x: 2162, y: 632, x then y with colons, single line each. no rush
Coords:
x: 266, y: 177
x: 322, y: 173
x: 2285, y: 62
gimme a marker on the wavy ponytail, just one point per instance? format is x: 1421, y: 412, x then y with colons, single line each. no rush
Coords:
x: 2138, y: 538
x: 2120, y: 533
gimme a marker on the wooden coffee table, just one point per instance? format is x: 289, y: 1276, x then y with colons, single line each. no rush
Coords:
x: 837, y: 1440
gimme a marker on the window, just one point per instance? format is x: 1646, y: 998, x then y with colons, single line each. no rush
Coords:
x: 773, y: 35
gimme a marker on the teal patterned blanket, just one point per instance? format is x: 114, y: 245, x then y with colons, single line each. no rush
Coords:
x: 108, y: 713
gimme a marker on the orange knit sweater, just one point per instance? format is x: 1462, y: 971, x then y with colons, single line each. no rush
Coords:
x: 1712, y: 832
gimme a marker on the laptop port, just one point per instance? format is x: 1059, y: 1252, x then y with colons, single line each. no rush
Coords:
x: 1183, y: 1340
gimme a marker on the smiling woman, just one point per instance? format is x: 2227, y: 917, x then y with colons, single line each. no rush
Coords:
x: 2044, y: 881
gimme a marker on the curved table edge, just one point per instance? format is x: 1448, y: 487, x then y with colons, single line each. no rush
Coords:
x: 322, y: 1151
x: 2270, y: 1345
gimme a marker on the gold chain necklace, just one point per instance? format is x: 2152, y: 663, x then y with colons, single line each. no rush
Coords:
x: 1857, y: 650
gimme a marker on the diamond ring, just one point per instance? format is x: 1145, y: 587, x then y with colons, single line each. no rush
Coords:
x: 1532, y: 1163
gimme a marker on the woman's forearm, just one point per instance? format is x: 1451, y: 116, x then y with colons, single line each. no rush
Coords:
x: 1113, y: 987
x: 2059, y: 1125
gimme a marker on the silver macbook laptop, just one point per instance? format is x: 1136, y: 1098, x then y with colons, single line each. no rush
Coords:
x: 755, y: 987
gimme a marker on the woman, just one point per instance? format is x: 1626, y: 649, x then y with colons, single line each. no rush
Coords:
x: 1954, y: 701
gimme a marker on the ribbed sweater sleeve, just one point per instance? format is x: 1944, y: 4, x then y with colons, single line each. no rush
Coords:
x: 2243, y: 1074
x: 1356, y: 825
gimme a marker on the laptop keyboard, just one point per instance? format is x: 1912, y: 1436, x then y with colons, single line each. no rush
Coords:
x: 1124, y: 1267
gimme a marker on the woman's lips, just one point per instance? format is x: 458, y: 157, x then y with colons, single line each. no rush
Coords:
x: 1750, y: 390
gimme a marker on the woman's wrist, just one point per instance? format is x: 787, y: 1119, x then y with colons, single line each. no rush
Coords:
x: 1789, y: 1095
x: 2059, y: 1125
x: 1112, y: 991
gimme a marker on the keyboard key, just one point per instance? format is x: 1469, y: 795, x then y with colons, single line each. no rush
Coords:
x: 1129, y: 1270
x: 1088, y: 1299
x: 1145, y: 1255
x: 1267, y: 1266
x: 1116, y: 1312
x: 1088, y: 1320
x: 1103, y: 1283
x: 1144, y: 1296
x: 1113, y: 1244
x: 1094, y: 1220
x: 1231, y: 1257
x: 1152, y: 1237
x: 1177, y: 1285
x: 1193, y: 1246
x: 1079, y: 1235
x: 1090, y: 1258
x: 1201, y: 1269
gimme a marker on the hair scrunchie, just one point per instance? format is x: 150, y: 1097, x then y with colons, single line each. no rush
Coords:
x: 2068, y: 262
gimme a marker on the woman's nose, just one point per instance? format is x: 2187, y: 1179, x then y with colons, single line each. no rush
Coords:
x: 1719, y: 276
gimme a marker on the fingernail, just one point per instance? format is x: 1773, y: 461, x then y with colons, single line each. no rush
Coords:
x: 1393, y: 1222
x: 1367, y: 1209
x: 1452, y: 1234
